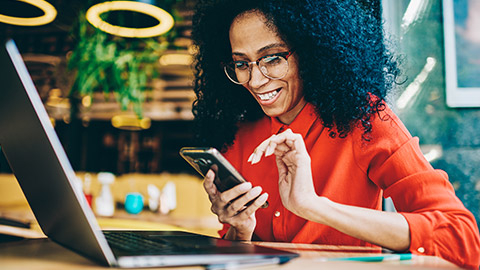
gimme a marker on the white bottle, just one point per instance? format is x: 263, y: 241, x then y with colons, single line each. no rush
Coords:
x: 104, y: 204
x: 153, y: 197
x: 168, y: 198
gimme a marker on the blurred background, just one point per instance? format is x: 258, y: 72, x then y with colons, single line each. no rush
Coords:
x: 95, y: 83
x: 95, y: 80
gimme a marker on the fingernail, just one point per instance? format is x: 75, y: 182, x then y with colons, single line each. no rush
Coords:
x: 256, y: 159
x: 269, y: 151
x: 256, y: 191
x: 246, y: 186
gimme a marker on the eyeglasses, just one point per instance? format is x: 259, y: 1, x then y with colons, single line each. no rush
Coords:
x: 273, y: 66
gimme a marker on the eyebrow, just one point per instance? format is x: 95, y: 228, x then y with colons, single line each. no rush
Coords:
x: 270, y: 46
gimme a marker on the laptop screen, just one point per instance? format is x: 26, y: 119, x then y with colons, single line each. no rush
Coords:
x: 40, y: 163
x: 46, y: 177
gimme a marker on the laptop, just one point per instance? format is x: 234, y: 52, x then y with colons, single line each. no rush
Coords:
x: 41, y: 166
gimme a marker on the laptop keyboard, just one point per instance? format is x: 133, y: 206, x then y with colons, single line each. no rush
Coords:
x: 130, y: 241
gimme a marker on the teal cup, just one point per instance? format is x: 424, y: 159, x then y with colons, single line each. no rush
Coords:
x: 134, y: 203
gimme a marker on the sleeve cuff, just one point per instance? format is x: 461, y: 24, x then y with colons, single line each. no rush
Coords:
x: 421, y: 238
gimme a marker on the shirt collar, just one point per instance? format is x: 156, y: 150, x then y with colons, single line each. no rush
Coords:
x: 301, y: 124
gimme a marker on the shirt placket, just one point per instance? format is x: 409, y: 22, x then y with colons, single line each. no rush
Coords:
x: 278, y: 224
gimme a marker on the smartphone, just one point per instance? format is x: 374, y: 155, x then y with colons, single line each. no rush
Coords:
x: 204, y: 158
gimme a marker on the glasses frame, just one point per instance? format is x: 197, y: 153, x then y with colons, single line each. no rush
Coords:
x: 284, y: 55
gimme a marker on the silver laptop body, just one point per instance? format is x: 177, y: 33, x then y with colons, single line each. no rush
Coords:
x: 46, y: 177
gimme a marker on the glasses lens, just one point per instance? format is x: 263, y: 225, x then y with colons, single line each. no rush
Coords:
x: 274, y: 67
x: 237, y: 72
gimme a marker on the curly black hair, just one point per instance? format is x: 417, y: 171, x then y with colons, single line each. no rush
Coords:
x: 343, y: 62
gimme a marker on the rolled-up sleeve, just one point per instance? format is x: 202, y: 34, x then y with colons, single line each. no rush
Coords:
x: 439, y: 223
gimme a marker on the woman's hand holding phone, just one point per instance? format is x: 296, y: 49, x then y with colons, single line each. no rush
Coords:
x: 232, y: 206
x: 233, y: 198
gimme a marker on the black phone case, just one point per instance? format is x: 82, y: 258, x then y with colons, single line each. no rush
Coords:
x: 202, y: 159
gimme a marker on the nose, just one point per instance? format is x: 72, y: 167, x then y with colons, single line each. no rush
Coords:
x: 257, y: 79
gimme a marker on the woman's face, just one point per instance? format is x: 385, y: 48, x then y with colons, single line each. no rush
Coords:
x: 250, y: 39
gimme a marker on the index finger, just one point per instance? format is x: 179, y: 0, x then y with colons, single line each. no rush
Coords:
x: 260, y: 150
x: 293, y: 140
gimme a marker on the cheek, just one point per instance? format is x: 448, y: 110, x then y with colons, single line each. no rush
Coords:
x: 296, y: 86
x: 294, y: 81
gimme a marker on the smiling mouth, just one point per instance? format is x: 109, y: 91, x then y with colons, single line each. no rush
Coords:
x: 269, y: 95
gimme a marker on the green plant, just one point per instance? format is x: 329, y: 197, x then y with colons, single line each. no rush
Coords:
x: 106, y: 63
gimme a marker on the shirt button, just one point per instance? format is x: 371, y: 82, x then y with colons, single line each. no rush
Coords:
x: 277, y: 214
x: 421, y: 249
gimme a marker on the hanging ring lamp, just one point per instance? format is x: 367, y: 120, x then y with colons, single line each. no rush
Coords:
x: 49, y: 15
x: 165, y: 20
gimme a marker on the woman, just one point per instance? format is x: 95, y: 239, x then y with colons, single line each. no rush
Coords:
x: 293, y: 93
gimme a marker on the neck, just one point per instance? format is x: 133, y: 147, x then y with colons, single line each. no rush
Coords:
x: 288, y: 117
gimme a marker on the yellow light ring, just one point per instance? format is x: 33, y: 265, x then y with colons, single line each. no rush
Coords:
x: 164, y: 18
x: 49, y: 15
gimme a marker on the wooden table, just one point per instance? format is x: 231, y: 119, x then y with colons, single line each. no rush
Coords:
x: 38, y: 252
x: 42, y: 253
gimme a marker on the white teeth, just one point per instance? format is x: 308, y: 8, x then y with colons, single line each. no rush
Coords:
x: 268, y: 96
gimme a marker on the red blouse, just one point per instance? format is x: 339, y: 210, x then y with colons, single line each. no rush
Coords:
x: 355, y: 172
